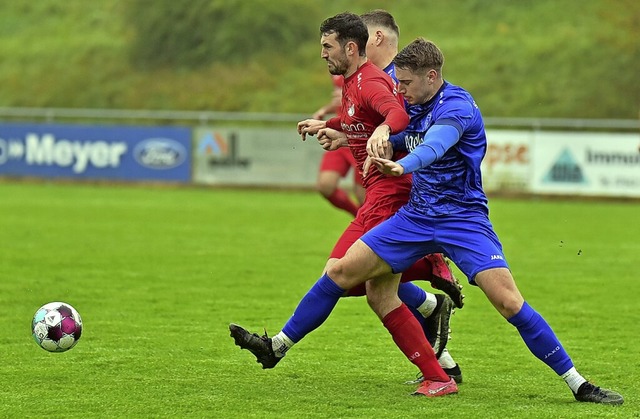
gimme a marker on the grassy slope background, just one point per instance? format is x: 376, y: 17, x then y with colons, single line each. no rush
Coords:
x: 546, y: 58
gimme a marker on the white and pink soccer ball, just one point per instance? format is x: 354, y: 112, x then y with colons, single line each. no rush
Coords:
x: 56, y: 327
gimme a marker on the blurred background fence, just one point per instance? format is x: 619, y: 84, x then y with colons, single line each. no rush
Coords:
x: 568, y: 157
x: 203, y: 117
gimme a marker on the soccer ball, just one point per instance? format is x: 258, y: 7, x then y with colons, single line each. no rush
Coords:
x: 56, y: 327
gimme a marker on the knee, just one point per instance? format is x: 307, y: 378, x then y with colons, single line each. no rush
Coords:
x: 327, y: 182
x: 500, y: 288
x: 325, y: 188
x: 509, y: 306
x: 340, y: 274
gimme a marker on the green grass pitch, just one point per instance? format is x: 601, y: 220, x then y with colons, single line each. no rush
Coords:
x: 158, y: 274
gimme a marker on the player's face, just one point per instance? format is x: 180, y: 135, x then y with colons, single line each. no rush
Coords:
x: 334, y: 54
x: 416, y: 88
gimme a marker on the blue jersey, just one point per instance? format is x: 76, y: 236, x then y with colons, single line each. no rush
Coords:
x: 391, y: 71
x: 453, y: 183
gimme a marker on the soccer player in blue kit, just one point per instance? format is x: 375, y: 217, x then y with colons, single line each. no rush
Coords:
x: 448, y: 210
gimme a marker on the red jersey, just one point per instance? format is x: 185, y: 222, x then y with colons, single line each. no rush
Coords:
x: 369, y: 99
x: 338, y: 81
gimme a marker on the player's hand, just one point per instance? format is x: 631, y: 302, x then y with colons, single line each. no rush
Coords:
x: 388, y: 167
x: 331, y: 139
x: 310, y: 126
x: 378, y: 144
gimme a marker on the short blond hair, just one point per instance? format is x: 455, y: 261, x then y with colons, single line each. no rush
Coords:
x: 382, y: 18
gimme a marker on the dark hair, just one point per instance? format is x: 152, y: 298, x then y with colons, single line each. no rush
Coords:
x: 380, y: 17
x: 419, y: 57
x: 347, y: 27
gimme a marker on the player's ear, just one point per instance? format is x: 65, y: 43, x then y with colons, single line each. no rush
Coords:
x: 433, y: 76
x: 350, y: 47
x: 379, y: 37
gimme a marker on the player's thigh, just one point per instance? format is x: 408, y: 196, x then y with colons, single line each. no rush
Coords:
x: 358, y: 265
x: 400, y: 242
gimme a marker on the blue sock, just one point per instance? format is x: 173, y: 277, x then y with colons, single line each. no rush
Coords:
x: 541, y: 340
x: 411, y: 294
x: 313, y: 309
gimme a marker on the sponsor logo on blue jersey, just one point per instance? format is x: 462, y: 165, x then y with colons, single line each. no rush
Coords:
x: 412, y: 141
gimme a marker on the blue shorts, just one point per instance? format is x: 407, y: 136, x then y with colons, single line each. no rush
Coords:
x: 467, y: 239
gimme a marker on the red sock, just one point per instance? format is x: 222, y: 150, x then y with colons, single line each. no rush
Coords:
x: 408, y: 335
x: 340, y: 199
x: 419, y: 271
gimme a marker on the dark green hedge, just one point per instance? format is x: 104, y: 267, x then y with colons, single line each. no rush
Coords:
x: 195, y: 33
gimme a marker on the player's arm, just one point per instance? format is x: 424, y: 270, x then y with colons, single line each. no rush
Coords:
x: 395, y: 118
x: 437, y: 140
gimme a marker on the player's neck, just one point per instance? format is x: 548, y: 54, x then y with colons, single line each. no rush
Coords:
x: 359, y: 62
x: 385, y: 59
x: 437, y: 86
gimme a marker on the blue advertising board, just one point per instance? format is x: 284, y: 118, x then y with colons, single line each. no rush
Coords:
x: 95, y: 152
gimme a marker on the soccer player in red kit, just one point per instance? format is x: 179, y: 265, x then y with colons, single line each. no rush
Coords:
x: 336, y: 164
x: 371, y: 110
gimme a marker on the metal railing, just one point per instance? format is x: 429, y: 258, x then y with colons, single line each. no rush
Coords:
x: 206, y: 117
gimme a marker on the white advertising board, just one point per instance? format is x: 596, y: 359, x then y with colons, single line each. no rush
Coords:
x: 539, y: 162
x: 254, y: 157
x: 594, y: 164
x: 507, y: 164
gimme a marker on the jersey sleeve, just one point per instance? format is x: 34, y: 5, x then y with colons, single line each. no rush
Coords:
x: 397, y: 142
x: 457, y: 112
x: 437, y: 140
x: 334, y: 123
x: 386, y: 104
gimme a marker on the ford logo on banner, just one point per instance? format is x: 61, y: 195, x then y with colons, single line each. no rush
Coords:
x: 160, y: 153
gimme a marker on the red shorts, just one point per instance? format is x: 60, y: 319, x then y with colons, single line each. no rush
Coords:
x: 341, y: 160
x: 380, y: 203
